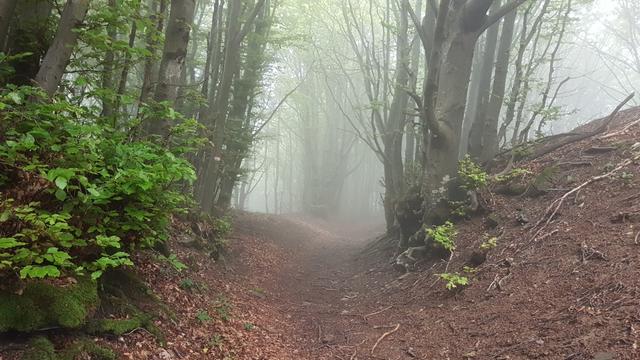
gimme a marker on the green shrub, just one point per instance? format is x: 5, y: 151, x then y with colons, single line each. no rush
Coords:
x: 454, y: 280
x: 79, y: 197
x: 471, y: 175
x: 444, y: 235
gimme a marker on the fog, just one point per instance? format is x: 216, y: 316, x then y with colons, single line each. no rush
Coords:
x: 322, y: 152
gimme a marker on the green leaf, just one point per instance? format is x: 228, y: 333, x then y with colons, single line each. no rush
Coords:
x: 61, y: 182
x: 8, y: 243
x: 96, y: 275
x: 108, y: 241
x: 61, y: 195
x: 39, y: 272
x: 15, y: 97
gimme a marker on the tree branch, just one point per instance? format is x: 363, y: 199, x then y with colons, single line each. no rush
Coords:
x: 500, y: 13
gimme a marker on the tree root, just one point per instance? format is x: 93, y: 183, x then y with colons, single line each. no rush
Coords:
x: 383, y: 337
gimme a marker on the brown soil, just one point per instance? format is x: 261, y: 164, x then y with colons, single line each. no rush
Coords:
x: 299, y: 288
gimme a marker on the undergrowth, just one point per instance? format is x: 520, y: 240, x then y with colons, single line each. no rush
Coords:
x: 78, y: 197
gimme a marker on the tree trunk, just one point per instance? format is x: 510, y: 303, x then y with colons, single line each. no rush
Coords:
x: 107, y: 71
x: 150, y: 74
x: 484, y: 89
x: 173, y: 58
x: 29, y: 33
x: 58, y: 56
x: 490, y: 129
x: 7, y: 8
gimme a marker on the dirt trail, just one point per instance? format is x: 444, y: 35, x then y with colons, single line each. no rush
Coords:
x: 322, y: 289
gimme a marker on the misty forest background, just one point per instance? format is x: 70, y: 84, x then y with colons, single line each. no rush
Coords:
x: 117, y: 114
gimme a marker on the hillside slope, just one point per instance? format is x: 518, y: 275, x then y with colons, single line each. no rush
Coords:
x: 299, y: 288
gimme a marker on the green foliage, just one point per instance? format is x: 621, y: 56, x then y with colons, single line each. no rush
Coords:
x: 444, y: 235
x: 489, y: 243
x: 249, y: 326
x: 471, y: 175
x: 223, y: 308
x: 44, y: 305
x: 40, y: 348
x: 513, y: 174
x: 627, y: 177
x: 454, y: 280
x: 174, y: 262
x: 80, y: 197
x: 203, y: 316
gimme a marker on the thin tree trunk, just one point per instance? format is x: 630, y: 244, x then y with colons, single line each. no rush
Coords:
x: 484, y: 89
x: 490, y: 130
x: 107, y: 71
x: 55, y: 61
x: 158, y: 10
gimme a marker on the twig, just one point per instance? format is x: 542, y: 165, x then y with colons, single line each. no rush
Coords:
x: 378, y: 312
x: 635, y: 241
x: 384, y: 336
x: 555, y: 206
x: 620, y: 132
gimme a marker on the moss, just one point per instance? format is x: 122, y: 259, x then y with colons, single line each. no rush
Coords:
x: 40, y: 348
x: 115, y: 326
x: 43, y: 305
x: 80, y: 349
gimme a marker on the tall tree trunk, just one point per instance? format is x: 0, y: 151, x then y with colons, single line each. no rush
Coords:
x: 464, y: 23
x: 57, y: 58
x: 484, y: 89
x: 173, y: 58
x: 29, y: 33
x: 490, y: 129
x: 150, y: 74
x: 7, y: 8
x: 124, y: 75
x: 107, y: 71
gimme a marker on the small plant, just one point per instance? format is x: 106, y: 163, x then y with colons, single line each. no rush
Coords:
x: 454, y: 280
x: 513, y: 174
x: 203, y: 316
x: 249, y: 326
x: 458, y: 208
x: 469, y: 270
x: 223, y: 308
x: 173, y: 261
x: 216, y: 341
x: 444, y: 235
x: 188, y: 284
x: 471, y: 175
x: 489, y: 243
x: 627, y: 177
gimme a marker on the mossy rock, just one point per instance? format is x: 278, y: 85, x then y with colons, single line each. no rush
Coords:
x: 45, y: 305
x: 80, y: 349
x: 40, y: 348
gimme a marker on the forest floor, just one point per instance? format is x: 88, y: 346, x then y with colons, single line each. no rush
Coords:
x: 291, y: 287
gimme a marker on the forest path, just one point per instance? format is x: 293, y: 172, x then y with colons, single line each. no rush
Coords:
x: 325, y: 299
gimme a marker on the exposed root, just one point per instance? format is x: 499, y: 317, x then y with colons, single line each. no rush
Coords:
x: 384, y: 336
x: 378, y: 312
